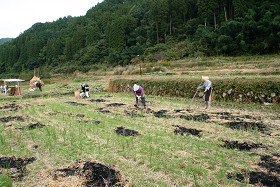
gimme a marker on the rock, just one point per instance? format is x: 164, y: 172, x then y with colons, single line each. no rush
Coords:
x: 224, y: 94
x: 272, y: 94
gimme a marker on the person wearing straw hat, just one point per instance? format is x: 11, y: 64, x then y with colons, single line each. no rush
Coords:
x: 207, y: 86
x: 139, y: 94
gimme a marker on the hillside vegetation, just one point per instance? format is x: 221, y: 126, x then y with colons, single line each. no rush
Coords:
x: 114, y: 32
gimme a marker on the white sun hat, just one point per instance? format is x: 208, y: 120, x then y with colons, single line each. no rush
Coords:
x: 135, y: 87
x: 204, y: 78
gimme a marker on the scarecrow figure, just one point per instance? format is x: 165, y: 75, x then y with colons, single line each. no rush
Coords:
x: 207, y: 86
x: 139, y: 94
x: 85, y: 89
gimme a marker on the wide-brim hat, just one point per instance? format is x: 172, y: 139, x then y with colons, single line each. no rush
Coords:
x: 204, y: 78
x: 136, y: 87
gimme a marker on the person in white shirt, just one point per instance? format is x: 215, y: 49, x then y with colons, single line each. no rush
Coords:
x: 207, y: 86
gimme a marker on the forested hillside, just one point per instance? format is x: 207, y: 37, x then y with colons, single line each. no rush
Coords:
x: 115, y: 31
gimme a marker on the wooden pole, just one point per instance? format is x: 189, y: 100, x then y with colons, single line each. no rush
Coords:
x: 140, y: 64
x: 19, y: 89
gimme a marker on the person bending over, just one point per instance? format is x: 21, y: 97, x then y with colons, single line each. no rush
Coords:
x: 139, y: 94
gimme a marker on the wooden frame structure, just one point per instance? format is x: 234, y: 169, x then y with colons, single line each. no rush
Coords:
x: 14, y: 80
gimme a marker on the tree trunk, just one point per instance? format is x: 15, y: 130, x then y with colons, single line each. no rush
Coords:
x: 205, y: 22
x: 225, y: 12
x: 157, y: 33
x: 215, y: 22
x: 170, y: 31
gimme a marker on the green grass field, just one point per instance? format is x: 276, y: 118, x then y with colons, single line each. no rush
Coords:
x: 56, y: 139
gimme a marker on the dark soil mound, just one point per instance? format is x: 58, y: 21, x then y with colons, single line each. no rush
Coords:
x: 126, y: 132
x: 19, y: 165
x: 226, y: 116
x: 240, y: 146
x: 185, y: 131
x: 11, y: 118
x: 243, y: 125
x: 97, y: 100
x: 12, y: 107
x: 96, y: 122
x: 13, y: 162
x: 102, y: 110
x: 161, y: 114
x: 99, y: 175
x: 35, y: 125
x: 94, y: 174
x: 256, y: 177
x: 201, y: 117
x: 80, y: 115
x: 75, y: 103
x: 115, y: 104
x: 270, y: 163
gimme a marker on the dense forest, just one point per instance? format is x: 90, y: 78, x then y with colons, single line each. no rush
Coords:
x: 114, y: 32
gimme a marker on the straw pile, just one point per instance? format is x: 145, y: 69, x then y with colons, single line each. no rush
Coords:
x: 33, y: 80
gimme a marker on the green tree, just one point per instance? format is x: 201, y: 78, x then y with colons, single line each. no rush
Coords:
x: 158, y: 12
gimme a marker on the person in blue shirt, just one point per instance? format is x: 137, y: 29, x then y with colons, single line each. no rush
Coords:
x: 207, y: 86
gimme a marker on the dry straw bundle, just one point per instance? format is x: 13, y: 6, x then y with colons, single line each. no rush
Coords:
x: 33, y: 80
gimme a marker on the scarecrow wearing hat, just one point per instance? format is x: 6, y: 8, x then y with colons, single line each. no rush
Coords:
x: 139, y: 94
x: 207, y: 86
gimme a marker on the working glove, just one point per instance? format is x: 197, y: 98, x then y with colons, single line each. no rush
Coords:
x: 138, y: 96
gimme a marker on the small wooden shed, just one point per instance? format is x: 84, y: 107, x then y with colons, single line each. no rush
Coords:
x: 13, y: 90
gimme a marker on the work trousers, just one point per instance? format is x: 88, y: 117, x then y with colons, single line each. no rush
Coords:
x: 208, y: 96
x: 142, y: 101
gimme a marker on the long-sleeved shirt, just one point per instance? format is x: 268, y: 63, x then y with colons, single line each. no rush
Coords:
x: 85, y: 88
x: 139, y: 90
x: 207, y: 85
